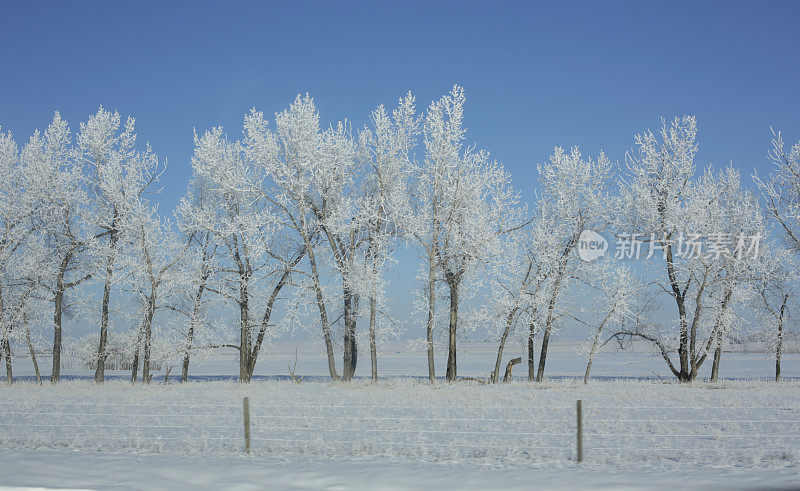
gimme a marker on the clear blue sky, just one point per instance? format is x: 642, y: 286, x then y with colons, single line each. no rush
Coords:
x: 536, y: 74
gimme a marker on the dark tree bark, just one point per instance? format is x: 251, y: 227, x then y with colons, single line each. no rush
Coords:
x: 58, y: 309
x: 431, y: 317
x: 531, y: 353
x: 190, y: 334
x: 99, y: 373
x: 503, y: 337
x: 31, y: 352
x: 276, y: 290
x: 717, y: 335
x: 779, y: 342
x: 717, y: 357
x: 551, y: 307
x: 510, y: 368
x: 350, y: 352
x: 244, y: 332
x: 6, y: 346
x: 136, y: 348
x: 323, y: 312
x: 62, y: 286
x: 373, y: 349
x: 452, y: 369
x: 148, y: 335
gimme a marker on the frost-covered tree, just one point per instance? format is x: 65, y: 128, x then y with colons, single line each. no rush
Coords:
x: 21, y: 250
x: 150, y: 258
x: 704, y: 228
x: 515, y: 282
x: 781, y: 191
x: 243, y: 222
x: 311, y: 177
x: 574, y: 197
x: 737, y: 222
x: 773, y: 302
x: 613, y: 303
x: 120, y: 173
x: 239, y: 222
x: 200, y: 268
x: 60, y: 185
x: 385, y: 152
x: 464, y: 203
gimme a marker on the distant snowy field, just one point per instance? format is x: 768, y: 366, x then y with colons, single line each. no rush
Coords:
x: 405, y: 434
x: 475, y: 359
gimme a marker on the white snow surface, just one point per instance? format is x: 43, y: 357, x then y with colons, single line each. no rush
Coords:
x: 405, y: 434
x: 30, y: 469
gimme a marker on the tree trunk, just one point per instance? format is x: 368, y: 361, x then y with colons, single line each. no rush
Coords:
x: 373, y: 349
x: 244, y: 332
x: 778, y: 349
x: 185, y: 366
x: 543, y: 353
x: 506, y: 331
x: 510, y: 368
x: 591, y: 356
x: 268, y: 313
x: 187, y: 352
x: 531, y: 354
x: 148, y: 335
x: 779, y: 343
x: 192, y: 322
x: 717, y: 357
x: 683, y: 346
x: 55, y: 374
x: 431, y: 318
x: 350, y: 351
x: 551, y: 307
x: 137, y: 346
x: 58, y: 310
x: 6, y: 346
x: 99, y: 373
x: 323, y: 312
x: 452, y: 370
x: 31, y: 351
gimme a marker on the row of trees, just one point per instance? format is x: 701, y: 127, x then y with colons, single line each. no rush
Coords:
x: 292, y: 219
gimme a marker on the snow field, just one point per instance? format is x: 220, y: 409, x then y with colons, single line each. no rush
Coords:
x: 741, y: 424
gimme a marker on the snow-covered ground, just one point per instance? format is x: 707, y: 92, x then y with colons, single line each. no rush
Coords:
x: 94, y: 470
x: 405, y: 434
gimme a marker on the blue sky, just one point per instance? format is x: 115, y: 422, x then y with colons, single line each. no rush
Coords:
x: 536, y: 74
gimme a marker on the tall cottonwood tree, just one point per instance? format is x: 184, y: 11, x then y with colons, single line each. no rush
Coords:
x: 120, y: 173
x: 464, y: 202
x: 385, y: 152
x: 201, y: 268
x: 689, y: 219
x: 242, y: 221
x: 60, y: 183
x: 774, y: 301
x: 21, y: 250
x: 311, y: 176
x: 151, y: 257
x: 574, y: 197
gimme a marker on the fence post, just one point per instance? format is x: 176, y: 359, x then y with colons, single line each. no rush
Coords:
x: 579, y: 408
x: 246, y: 403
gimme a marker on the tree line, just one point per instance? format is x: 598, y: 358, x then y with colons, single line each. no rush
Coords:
x: 293, y: 225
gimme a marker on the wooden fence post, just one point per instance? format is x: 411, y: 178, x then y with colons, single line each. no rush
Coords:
x: 580, y: 430
x: 246, y: 403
